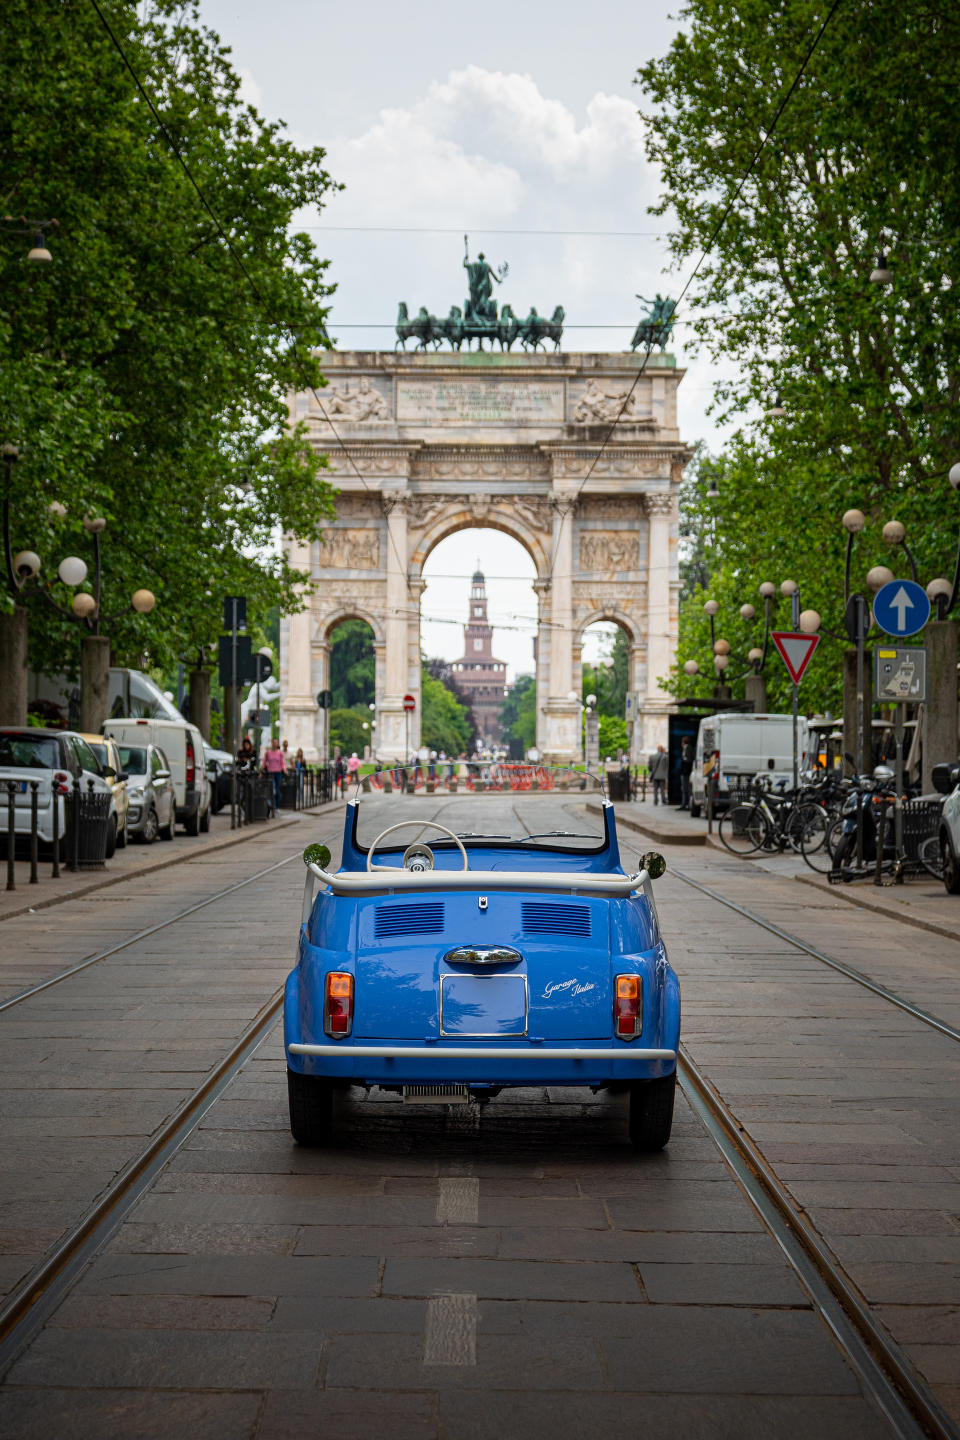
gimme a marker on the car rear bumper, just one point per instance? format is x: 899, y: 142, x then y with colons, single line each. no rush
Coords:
x: 481, y: 1065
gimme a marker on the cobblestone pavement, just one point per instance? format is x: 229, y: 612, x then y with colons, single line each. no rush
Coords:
x: 510, y: 1271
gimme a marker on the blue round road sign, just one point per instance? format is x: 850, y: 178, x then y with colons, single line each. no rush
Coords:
x: 901, y: 608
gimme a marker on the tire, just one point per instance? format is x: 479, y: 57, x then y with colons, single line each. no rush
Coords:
x: 167, y: 832
x: 205, y: 821
x: 845, y: 855
x: 651, y: 1112
x: 951, y: 867
x: 744, y: 829
x: 930, y: 857
x: 821, y: 856
x: 111, y: 849
x: 694, y: 811
x: 150, y: 827
x: 311, y: 1108
x: 122, y: 839
x: 192, y: 824
x: 807, y: 828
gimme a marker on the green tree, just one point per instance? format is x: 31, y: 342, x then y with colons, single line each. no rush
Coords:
x: 869, y: 374
x: 444, y: 723
x: 352, y: 664
x: 346, y: 729
x: 518, y: 714
x: 144, y: 374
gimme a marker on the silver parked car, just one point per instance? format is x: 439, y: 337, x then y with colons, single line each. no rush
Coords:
x: 54, y: 758
x: 153, y: 798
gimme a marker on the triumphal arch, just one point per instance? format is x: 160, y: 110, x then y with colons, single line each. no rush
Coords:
x: 425, y: 443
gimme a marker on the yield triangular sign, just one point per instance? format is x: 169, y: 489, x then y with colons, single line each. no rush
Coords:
x: 797, y: 651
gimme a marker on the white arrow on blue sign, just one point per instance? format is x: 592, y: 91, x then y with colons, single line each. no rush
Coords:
x: 901, y: 607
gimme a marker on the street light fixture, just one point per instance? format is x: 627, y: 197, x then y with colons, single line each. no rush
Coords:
x: 776, y: 410
x: 881, y: 274
x: 22, y: 225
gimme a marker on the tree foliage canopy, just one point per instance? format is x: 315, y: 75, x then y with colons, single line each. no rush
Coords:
x: 864, y: 158
x: 143, y: 374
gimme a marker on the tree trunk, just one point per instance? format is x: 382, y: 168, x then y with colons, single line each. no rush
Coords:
x: 200, y: 701
x: 13, y: 667
x: 94, y: 683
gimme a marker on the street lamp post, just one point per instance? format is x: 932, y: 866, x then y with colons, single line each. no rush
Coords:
x: 23, y: 581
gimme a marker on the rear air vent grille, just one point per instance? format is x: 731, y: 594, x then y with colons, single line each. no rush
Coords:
x: 540, y: 918
x: 409, y: 919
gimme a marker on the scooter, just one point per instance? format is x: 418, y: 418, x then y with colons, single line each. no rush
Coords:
x: 863, y: 809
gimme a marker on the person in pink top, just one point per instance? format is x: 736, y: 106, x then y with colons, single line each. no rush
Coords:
x: 275, y: 765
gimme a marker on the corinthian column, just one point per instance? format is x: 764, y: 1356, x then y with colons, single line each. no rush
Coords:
x: 561, y: 740
x: 391, y: 723
x: 661, y: 641
x: 297, y: 702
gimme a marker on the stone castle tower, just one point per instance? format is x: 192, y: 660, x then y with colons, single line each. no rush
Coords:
x: 479, y: 675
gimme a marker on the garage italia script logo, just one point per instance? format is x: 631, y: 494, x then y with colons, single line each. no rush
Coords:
x: 572, y: 987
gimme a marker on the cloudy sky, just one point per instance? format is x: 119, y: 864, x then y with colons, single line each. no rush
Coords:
x: 516, y: 124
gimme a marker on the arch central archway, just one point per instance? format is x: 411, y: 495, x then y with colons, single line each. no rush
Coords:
x: 513, y: 443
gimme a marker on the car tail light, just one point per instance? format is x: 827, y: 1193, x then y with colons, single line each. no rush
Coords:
x: 628, y: 1006
x: 338, y: 1003
x: 61, y: 783
x: 191, y: 763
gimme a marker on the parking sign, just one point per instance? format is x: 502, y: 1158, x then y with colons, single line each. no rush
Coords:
x: 900, y: 676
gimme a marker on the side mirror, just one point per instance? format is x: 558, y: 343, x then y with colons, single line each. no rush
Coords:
x: 162, y: 775
x: 122, y: 775
x: 654, y: 864
x: 110, y: 773
x: 317, y: 855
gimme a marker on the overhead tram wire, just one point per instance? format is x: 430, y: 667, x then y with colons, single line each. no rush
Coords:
x: 703, y: 255
x: 237, y: 258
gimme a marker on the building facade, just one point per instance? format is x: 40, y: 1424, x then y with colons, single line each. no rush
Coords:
x: 577, y: 456
x: 480, y: 676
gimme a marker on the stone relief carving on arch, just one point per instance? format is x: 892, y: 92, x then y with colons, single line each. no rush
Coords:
x: 350, y: 549
x: 608, y: 552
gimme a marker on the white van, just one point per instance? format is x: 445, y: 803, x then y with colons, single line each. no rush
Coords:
x: 749, y: 746
x: 182, y: 744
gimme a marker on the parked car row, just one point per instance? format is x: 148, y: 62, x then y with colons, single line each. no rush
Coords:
x: 155, y: 772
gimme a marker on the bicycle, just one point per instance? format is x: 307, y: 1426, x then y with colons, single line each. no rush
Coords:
x: 772, y: 822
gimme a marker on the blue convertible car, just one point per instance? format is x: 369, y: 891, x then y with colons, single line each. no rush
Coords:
x: 480, y: 932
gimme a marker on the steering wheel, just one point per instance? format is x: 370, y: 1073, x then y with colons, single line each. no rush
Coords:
x: 389, y: 831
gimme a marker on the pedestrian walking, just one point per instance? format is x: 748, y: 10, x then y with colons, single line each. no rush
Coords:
x: 658, y: 774
x: 686, y: 769
x: 275, y: 765
x: 339, y: 773
x: 353, y: 765
x: 246, y: 755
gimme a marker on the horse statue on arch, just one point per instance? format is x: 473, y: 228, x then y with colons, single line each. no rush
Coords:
x: 537, y: 328
x: 656, y: 326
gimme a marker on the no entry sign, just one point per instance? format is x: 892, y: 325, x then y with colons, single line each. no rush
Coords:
x: 797, y: 651
x: 409, y: 703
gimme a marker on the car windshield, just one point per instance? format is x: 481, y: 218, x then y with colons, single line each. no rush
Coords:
x: 133, y: 759
x: 29, y: 752
x: 482, y: 801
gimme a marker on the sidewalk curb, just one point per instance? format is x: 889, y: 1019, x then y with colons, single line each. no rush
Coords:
x: 663, y: 837
x: 212, y: 848
x: 869, y: 902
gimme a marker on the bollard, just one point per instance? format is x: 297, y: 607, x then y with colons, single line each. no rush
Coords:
x: 55, y: 797
x: 73, y: 841
x: 11, y: 833
x: 34, y: 787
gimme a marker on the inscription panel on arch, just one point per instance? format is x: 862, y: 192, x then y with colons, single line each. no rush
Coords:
x: 480, y: 401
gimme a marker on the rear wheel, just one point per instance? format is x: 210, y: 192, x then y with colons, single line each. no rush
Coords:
x: 122, y: 838
x: 311, y: 1108
x: 192, y: 823
x: 111, y: 838
x: 744, y: 829
x: 168, y: 830
x: 205, y: 820
x: 807, y: 827
x: 651, y: 1112
x: 951, y: 867
x: 150, y: 828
